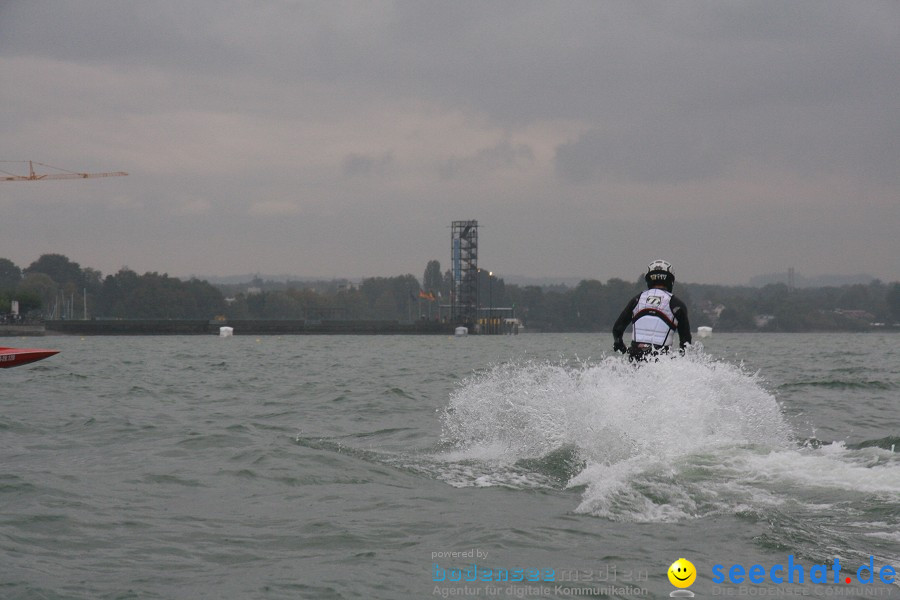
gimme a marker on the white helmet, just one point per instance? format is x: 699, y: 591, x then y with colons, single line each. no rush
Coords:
x: 659, y: 272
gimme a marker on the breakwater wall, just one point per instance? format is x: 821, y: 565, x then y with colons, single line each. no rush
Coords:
x: 244, y: 327
x: 21, y: 330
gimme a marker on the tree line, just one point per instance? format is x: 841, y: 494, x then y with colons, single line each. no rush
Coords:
x: 54, y: 287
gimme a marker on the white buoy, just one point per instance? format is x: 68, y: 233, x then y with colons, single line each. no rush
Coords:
x: 704, y: 332
x: 461, y: 331
x: 226, y: 331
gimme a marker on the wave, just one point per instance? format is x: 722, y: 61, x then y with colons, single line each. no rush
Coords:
x: 682, y: 438
x: 841, y: 384
x: 891, y: 443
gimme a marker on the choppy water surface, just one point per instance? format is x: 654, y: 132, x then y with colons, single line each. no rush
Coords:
x: 355, y: 467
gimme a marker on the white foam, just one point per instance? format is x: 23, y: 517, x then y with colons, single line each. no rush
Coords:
x: 675, y: 439
x: 831, y: 467
x: 891, y: 536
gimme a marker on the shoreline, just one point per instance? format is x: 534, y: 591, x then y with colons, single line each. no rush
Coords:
x: 241, y: 327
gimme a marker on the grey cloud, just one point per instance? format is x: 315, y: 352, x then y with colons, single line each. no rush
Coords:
x: 503, y: 155
x: 515, y: 60
x: 809, y: 141
x: 669, y: 153
x: 118, y: 32
x: 361, y: 164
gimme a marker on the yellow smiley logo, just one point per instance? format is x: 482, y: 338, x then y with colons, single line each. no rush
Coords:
x: 682, y: 573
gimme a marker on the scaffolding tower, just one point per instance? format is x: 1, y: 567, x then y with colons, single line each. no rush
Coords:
x: 464, y: 261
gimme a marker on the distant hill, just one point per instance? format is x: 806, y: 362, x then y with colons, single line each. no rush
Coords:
x: 250, y: 277
x: 812, y: 282
x: 571, y: 282
x: 520, y: 280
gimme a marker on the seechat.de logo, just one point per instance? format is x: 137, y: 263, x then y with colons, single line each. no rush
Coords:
x: 795, y: 572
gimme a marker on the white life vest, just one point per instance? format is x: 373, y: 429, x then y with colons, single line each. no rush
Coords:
x: 653, y: 319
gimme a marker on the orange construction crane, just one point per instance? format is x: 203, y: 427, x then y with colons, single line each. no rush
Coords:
x: 32, y: 176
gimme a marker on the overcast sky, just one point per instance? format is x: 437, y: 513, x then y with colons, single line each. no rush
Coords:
x: 340, y: 139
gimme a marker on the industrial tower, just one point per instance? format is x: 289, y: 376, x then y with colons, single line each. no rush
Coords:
x: 464, y: 267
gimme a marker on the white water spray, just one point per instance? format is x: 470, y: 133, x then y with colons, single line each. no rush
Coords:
x: 680, y: 438
x: 625, y: 424
x: 613, y: 411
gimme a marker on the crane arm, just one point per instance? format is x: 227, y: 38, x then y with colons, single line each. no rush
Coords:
x: 32, y: 176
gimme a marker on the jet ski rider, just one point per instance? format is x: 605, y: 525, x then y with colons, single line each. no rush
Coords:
x: 656, y: 315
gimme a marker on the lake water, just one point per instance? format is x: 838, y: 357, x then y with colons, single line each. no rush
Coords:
x: 392, y: 467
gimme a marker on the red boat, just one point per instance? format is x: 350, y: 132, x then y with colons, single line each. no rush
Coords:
x: 13, y: 357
